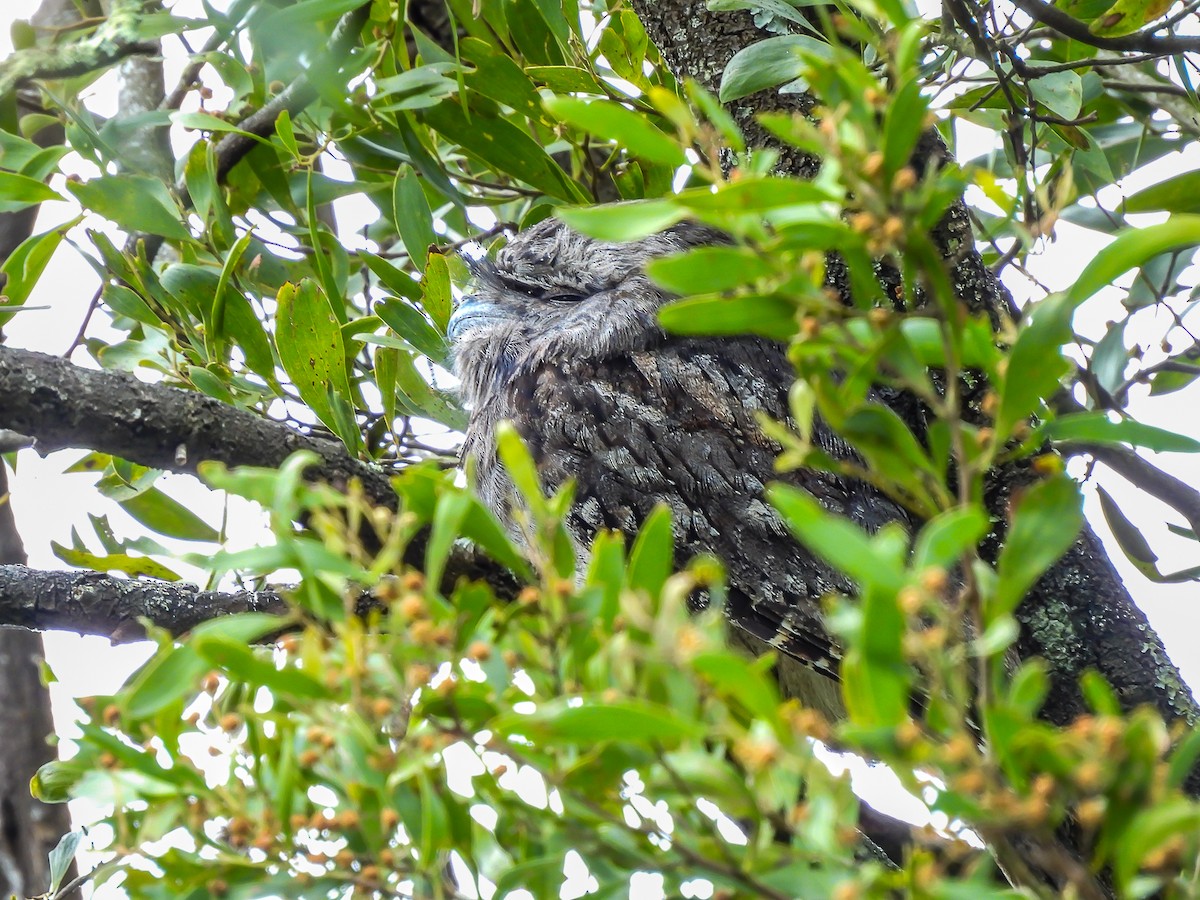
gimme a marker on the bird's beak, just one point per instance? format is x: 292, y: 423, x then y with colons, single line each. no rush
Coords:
x: 469, y: 312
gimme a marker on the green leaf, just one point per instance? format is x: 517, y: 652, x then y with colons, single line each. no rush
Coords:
x: 202, y: 121
x: 435, y: 291
x: 1059, y: 92
x: 412, y: 216
x: 1097, y: 428
x: 944, y: 539
x: 750, y: 683
x: 1177, y: 194
x: 1127, y: 16
x: 447, y: 526
x: 629, y: 721
x: 782, y: 9
x: 1149, y: 829
x: 309, y: 340
x: 755, y: 195
x: 214, y: 338
x: 174, y: 672
x: 1045, y: 521
x: 394, y: 279
x: 500, y: 144
x: 768, y: 63
x: 709, y: 270
x: 408, y: 322
x: 652, y: 557
x: 1036, y: 364
x: 1129, y: 538
x: 168, y: 516
x: 62, y: 856
x: 135, y: 202
x: 135, y: 566
x: 627, y: 221
x: 25, y: 266
x: 170, y: 675
x: 19, y: 191
x: 481, y: 526
x: 519, y: 465
x: 836, y: 540
x: 611, y: 121
x: 245, y: 665
x: 307, y: 12
x: 1133, y: 248
x: 904, y: 121
x: 771, y: 316
x: 1029, y: 686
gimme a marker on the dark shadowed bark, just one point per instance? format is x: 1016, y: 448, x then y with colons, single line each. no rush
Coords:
x: 29, y: 829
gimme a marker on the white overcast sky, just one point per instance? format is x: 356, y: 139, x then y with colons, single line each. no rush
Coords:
x: 48, y: 504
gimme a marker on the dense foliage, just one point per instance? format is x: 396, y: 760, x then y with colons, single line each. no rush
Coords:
x: 437, y: 743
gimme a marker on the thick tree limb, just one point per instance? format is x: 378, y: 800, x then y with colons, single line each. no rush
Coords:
x: 92, y: 603
x: 114, y: 40
x: 64, y: 406
x: 1068, y: 26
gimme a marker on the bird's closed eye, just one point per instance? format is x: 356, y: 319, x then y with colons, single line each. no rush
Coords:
x: 563, y: 298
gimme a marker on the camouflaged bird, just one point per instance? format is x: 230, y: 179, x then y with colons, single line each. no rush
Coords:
x: 560, y: 336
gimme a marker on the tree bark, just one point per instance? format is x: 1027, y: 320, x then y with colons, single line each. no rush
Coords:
x: 29, y: 828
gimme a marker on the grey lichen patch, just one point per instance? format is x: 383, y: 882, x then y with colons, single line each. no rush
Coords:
x: 1051, y: 626
x: 112, y: 40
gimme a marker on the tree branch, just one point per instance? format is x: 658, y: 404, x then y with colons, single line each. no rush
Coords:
x: 1068, y: 26
x: 64, y: 406
x: 92, y: 603
x: 115, y: 39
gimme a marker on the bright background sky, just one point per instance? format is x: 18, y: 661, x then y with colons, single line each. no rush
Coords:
x: 49, y: 504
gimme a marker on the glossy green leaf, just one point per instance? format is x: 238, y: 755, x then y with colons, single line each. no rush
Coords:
x: 1177, y: 194
x: 770, y: 316
x: 1097, y: 428
x: 137, y: 203
x: 1036, y: 364
x: 245, y: 665
x: 611, y: 121
x: 309, y: 339
x: 1045, y: 521
x: 769, y: 63
x: 135, y: 566
x: 708, y: 270
x: 630, y: 721
x: 835, y: 539
x: 755, y: 195
x: 168, y: 516
x: 1059, y: 92
x: 20, y: 191
x: 1132, y: 248
x: 435, y: 291
x: 408, y: 322
x: 944, y: 539
x: 501, y: 145
x: 24, y: 267
x: 412, y: 216
x: 626, y: 221
x: 652, y: 556
x: 447, y: 526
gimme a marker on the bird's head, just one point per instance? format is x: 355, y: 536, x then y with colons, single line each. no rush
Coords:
x: 552, y: 294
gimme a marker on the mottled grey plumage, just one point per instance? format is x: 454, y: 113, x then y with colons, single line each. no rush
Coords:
x: 560, y: 336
